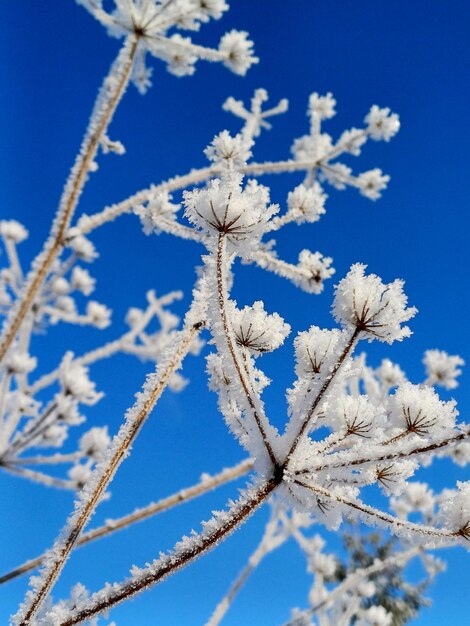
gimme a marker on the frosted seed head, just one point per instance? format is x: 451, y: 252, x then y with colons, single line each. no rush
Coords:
x: 376, y: 309
x: 315, y: 269
x: 82, y: 281
x: 223, y: 207
x: 94, y: 442
x: 372, y: 183
x: 308, y: 148
x: 375, y: 616
x: 21, y: 363
x: 382, y: 124
x: 258, y: 331
x: 99, y: 315
x: 355, y: 416
x: 390, y: 374
x: 323, y: 106
x: 454, y: 510
x: 13, y: 231
x: 82, y: 246
x: 417, y: 409
x: 75, y: 382
x: 179, y: 57
x: 159, y: 206
x: 238, y: 52
x: 67, y: 409
x: 351, y: 141
x: 308, y: 202
x: 54, y: 436
x: 442, y: 368
x: 60, y: 286
x: 415, y: 498
x: 316, y: 351
x: 227, y: 151
x: 80, y: 474
x: 460, y: 454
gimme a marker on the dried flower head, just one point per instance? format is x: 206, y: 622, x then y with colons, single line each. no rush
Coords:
x: 375, y: 309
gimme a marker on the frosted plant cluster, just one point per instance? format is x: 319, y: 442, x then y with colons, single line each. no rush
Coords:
x: 348, y: 426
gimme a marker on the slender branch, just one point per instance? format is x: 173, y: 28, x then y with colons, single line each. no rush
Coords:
x: 108, y: 99
x: 224, y: 605
x: 216, y: 530
x: 104, y: 473
x: 267, y: 544
x: 39, y: 477
x: 31, y: 432
x: 304, y: 428
x: 222, y: 297
x: 394, y: 522
x: 51, y: 459
x: 88, y: 223
x: 113, y: 525
x: 392, y: 456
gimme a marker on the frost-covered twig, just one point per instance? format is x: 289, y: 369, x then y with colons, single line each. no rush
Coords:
x: 377, y: 517
x: 253, y: 402
x: 40, y: 477
x: 215, y: 530
x: 108, y: 99
x: 208, y: 483
x: 273, y: 537
x: 104, y: 473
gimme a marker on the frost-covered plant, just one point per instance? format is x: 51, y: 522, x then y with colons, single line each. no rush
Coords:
x: 347, y: 426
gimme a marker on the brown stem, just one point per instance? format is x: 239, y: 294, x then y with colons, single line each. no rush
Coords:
x: 231, y: 347
x: 306, y: 423
x: 155, y: 508
x: 173, y: 563
x: 392, y: 456
x: 124, y: 440
x: 31, y: 433
x: 254, y: 560
x: 71, y: 195
x: 380, y: 515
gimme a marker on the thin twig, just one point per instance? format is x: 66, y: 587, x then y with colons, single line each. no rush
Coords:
x: 113, y: 525
x: 108, y: 99
x: 105, y: 472
x: 40, y: 477
x: 222, y: 297
x: 174, y: 561
x: 390, y: 520
x: 318, y: 398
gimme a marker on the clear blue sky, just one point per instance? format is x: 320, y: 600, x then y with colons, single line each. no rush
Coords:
x: 411, y: 56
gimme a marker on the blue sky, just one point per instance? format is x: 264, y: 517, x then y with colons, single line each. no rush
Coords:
x: 413, y: 57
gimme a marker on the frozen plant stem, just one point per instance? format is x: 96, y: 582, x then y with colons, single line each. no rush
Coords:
x: 255, y: 558
x: 308, y: 419
x: 112, y: 526
x: 168, y: 565
x: 105, y: 472
x: 222, y: 297
x: 383, y: 517
x: 108, y: 99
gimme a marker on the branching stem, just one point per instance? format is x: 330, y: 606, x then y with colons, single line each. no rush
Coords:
x: 107, y: 102
x: 168, y: 565
x: 112, y: 526
x: 105, y: 472
x: 237, y: 361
